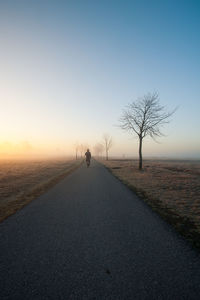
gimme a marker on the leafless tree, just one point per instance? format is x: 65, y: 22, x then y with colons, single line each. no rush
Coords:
x: 108, y: 143
x: 77, y: 147
x: 81, y: 148
x: 98, y: 149
x: 145, y: 117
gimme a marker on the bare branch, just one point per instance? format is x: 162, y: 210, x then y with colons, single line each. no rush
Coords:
x: 98, y: 149
x: 108, y: 143
x: 145, y: 117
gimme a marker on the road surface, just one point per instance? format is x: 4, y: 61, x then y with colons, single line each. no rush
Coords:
x: 90, y: 237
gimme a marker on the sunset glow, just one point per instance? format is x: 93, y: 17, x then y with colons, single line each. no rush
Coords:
x: 69, y: 68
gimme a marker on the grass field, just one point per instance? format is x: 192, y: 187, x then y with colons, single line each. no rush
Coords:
x: 170, y: 187
x: 22, y: 181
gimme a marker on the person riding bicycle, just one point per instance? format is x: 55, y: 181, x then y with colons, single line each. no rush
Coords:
x: 88, y: 157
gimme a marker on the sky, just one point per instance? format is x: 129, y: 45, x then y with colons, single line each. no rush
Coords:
x: 69, y: 68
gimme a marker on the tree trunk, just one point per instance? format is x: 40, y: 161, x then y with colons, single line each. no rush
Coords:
x: 140, y: 153
x: 106, y: 154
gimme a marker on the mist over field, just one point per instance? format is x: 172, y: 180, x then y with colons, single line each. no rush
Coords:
x: 100, y: 149
x: 69, y: 69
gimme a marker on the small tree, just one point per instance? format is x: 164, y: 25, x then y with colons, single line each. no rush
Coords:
x: 145, y: 117
x: 81, y: 148
x: 98, y: 149
x: 108, y: 143
x: 77, y: 146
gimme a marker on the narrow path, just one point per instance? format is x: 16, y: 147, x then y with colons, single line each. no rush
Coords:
x: 89, y: 237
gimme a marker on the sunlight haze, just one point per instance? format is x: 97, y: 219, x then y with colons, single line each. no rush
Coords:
x: 69, y: 68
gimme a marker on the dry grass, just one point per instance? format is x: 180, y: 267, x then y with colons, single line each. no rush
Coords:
x: 22, y: 181
x: 170, y: 187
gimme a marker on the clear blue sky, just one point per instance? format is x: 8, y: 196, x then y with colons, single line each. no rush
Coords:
x: 68, y: 68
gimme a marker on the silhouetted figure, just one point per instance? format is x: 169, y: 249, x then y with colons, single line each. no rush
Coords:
x: 88, y: 157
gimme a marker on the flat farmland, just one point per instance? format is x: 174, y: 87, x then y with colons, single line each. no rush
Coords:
x: 170, y: 187
x: 22, y: 181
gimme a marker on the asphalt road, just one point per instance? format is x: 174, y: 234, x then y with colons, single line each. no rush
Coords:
x: 90, y: 237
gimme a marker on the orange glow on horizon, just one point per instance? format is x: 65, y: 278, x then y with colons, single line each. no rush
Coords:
x: 26, y: 150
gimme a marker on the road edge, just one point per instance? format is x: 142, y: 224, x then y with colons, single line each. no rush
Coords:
x: 186, y: 230
x: 21, y: 201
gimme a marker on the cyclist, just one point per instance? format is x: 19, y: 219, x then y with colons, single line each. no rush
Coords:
x: 88, y: 157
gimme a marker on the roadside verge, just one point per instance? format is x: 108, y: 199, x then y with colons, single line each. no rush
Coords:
x: 8, y: 208
x: 167, y: 191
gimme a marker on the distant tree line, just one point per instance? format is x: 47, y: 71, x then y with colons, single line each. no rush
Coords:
x: 99, y: 148
x: 105, y: 145
x: 143, y: 117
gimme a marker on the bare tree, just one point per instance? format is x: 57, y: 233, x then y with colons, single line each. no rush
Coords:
x: 81, y: 148
x: 77, y: 147
x: 108, y: 143
x: 145, y: 117
x: 98, y: 149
